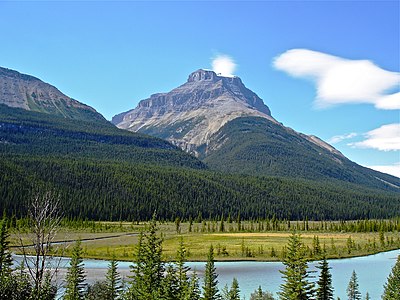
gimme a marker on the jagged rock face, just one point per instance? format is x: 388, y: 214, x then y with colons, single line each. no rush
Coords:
x: 190, y: 114
x: 30, y: 93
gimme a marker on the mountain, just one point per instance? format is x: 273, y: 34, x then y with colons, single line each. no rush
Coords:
x: 188, y: 115
x: 230, y: 128
x: 100, y: 172
x: 30, y: 93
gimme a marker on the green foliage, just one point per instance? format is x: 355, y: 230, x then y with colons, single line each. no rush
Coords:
x: 104, y: 173
x: 259, y: 294
x: 325, y: 289
x: 210, y: 288
x: 254, y: 145
x: 5, y: 253
x: 296, y: 285
x: 75, y: 287
x: 392, y: 286
x: 148, y: 270
x: 234, y: 292
x: 353, y: 292
x: 113, y: 280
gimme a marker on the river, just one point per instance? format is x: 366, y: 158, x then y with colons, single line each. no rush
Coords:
x: 372, y: 272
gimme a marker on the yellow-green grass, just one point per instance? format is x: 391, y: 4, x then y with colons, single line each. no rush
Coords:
x: 237, y: 245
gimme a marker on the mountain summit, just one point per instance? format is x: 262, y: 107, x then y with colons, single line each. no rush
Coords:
x: 229, y: 127
x: 190, y: 114
x: 30, y: 93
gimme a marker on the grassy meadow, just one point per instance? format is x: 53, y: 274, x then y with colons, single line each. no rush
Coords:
x: 248, y: 241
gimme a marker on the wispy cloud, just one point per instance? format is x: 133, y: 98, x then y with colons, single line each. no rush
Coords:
x: 338, y: 138
x: 224, y: 65
x: 388, y: 169
x: 384, y: 138
x: 341, y: 80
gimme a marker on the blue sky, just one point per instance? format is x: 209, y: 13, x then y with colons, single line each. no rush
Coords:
x: 111, y: 55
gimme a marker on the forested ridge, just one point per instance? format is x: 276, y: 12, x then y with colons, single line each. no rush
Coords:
x: 257, y: 146
x: 104, y: 173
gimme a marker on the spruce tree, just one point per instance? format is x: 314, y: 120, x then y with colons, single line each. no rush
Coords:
x: 5, y: 254
x: 113, y: 280
x: 234, y: 292
x: 324, y: 290
x: 296, y: 285
x: 193, y: 292
x: 259, y: 294
x: 392, y: 287
x: 210, y: 289
x: 353, y: 292
x: 75, y: 287
x: 149, y: 269
x: 182, y: 271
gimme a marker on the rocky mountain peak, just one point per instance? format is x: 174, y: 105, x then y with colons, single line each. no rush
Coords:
x: 189, y: 114
x: 203, y: 75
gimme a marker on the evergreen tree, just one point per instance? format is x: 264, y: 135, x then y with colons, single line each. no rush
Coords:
x: 352, y: 289
x: 182, y: 271
x: 5, y: 254
x: 259, y: 294
x: 149, y: 268
x: 324, y: 290
x: 75, y: 287
x: 234, y: 292
x: 225, y: 292
x: 210, y: 289
x: 296, y: 285
x: 113, y: 280
x: 194, y: 288
x: 170, y: 289
x: 392, y: 287
x: 367, y: 297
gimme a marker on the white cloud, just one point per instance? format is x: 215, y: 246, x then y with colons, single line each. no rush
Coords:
x: 389, y: 101
x: 384, y: 138
x: 391, y: 169
x: 338, y: 138
x: 224, y: 65
x: 342, y: 80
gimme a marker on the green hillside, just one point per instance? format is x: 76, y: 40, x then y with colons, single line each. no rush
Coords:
x: 27, y: 133
x: 257, y: 146
x: 105, y: 173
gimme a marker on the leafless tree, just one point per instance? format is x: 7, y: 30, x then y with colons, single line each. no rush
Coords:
x: 44, y: 218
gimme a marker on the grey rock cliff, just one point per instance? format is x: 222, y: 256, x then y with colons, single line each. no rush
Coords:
x: 190, y: 114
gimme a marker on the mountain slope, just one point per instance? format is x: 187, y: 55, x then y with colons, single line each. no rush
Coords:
x: 230, y: 128
x: 29, y: 133
x: 188, y: 115
x: 257, y: 146
x: 30, y: 93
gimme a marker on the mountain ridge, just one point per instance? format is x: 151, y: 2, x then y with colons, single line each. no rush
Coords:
x: 208, y: 116
x: 194, y: 110
x: 30, y: 93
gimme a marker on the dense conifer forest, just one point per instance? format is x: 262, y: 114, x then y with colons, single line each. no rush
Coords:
x: 103, y: 173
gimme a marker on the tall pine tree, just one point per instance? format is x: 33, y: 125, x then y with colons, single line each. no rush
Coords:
x: 75, y: 278
x: 325, y: 289
x: 392, y: 287
x: 113, y: 280
x: 353, y: 292
x: 210, y: 288
x: 149, y: 269
x: 296, y: 285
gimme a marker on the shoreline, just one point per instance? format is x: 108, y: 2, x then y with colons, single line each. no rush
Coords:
x: 223, y: 260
